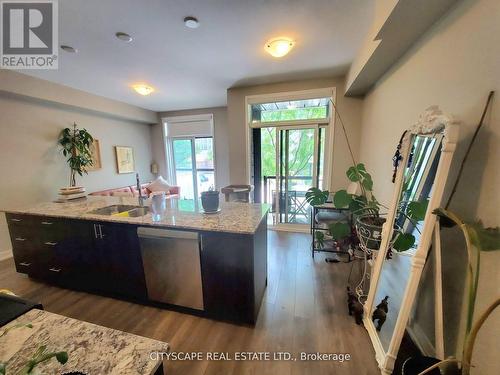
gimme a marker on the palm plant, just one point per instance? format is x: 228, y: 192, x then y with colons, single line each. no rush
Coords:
x: 76, y: 147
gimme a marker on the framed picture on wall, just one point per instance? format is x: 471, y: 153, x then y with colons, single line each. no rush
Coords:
x: 95, y: 151
x: 125, y: 159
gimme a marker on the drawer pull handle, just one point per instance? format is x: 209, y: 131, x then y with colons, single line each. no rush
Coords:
x: 47, y: 223
x: 25, y: 264
x: 20, y: 239
x: 50, y: 243
x: 16, y: 220
x: 55, y: 269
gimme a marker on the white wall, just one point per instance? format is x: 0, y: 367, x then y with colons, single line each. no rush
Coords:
x: 220, y: 136
x: 455, y: 64
x: 31, y: 165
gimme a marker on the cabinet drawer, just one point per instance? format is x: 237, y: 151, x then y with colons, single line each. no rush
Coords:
x: 18, y: 220
x: 24, y: 267
x: 50, y: 229
x: 24, y: 261
x: 22, y: 242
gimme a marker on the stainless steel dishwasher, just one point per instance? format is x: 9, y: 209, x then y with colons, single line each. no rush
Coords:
x: 172, y: 267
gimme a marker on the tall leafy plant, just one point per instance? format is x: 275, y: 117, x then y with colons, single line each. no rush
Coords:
x: 478, y: 239
x: 354, y: 203
x: 76, y: 147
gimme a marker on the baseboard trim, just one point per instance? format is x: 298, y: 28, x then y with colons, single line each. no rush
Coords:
x: 6, y: 254
x: 420, y: 339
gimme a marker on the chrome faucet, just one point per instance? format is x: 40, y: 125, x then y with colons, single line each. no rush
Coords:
x: 141, y: 198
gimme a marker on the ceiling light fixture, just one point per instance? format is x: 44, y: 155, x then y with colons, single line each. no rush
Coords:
x: 69, y: 49
x: 124, y: 37
x: 143, y: 89
x: 191, y: 22
x: 279, y: 47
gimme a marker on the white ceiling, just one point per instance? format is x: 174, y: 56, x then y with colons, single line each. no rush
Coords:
x: 192, y: 68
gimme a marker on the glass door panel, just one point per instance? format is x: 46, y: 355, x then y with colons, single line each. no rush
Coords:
x: 194, y: 168
x: 297, y: 160
x: 183, y: 164
x: 204, y: 155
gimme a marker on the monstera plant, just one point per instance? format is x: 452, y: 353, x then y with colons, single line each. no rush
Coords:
x: 365, y: 210
x: 356, y: 204
x: 76, y: 147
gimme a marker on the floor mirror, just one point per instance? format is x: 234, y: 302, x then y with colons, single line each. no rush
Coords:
x: 426, y: 151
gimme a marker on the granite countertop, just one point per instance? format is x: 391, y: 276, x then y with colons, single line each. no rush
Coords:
x: 234, y: 217
x: 92, y: 349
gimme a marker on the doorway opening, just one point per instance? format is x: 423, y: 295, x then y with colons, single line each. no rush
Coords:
x: 290, y: 143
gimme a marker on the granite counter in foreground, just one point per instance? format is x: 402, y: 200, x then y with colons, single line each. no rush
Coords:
x: 234, y: 217
x: 92, y: 349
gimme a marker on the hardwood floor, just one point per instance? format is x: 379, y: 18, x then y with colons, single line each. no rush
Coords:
x: 304, y: 310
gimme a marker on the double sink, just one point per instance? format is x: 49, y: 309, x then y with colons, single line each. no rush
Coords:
x: 121, y: 210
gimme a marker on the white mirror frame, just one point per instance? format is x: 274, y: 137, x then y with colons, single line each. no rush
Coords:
x: 432, y: 121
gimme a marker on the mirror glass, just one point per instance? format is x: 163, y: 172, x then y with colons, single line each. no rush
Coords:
x: 416, y: 189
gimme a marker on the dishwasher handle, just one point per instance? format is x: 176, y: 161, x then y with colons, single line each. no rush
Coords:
x: 147, y: 232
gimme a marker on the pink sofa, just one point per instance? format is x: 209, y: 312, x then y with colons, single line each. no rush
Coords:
x: 132, y: 190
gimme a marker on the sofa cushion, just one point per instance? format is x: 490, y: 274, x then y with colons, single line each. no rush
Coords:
x: 109, y: 192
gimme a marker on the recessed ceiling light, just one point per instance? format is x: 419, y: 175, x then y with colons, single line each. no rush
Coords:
x: 143, y: 89
x: 191, y: 22
x: 279, y: 47
x: 123, y: 37
x: 69, y: 49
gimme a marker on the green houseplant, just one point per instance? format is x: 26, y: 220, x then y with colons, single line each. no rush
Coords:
x: 76, y: 147
x: 365, y: 210
x: 478, y: 239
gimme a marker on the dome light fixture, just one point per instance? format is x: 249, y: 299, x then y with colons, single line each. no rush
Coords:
x: 143, y: 89
x: 68, y: 49
x: 191, y: 22
x: 124, y: 37
x: 279, y: 47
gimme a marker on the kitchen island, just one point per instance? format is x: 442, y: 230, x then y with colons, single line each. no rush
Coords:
x: 213, y: 265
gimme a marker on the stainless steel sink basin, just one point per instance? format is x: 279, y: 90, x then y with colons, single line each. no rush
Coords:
x: 139, y: 211
x: 118, y: 209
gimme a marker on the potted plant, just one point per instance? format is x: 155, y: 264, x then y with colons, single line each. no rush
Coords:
x: 76, y: 147
x: 365, y: 211
x: 210, y: 200
x: 477, y: 239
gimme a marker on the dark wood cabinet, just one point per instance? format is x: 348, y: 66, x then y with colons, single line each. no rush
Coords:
x: 117, y: 259
x: 77, y: 253
x: 234, y: 274
x: 106, y: 257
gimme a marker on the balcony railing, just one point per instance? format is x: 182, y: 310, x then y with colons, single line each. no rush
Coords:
x: 294, y: 207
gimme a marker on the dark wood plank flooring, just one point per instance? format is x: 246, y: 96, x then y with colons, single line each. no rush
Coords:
x: 304, y: 310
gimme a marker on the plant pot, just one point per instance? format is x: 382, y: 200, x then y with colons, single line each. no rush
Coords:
x: 369, y: 230
x: 210, y: 200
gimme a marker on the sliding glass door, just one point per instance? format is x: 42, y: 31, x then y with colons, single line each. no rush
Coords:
x: 297, y: 161
x: 193, y: 160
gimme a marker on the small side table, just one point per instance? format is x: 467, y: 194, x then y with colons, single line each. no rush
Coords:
x: 332, y: 214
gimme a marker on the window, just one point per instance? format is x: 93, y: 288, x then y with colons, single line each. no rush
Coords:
x: 291, y: 110
x: 194, y: 165
x: 190, y: 156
